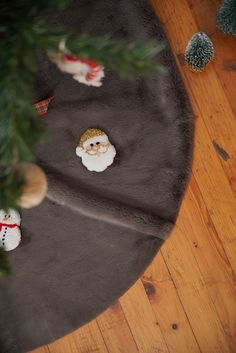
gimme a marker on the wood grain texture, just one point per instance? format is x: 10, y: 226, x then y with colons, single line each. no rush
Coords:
x: 116, y: 331
x: 185, y: 301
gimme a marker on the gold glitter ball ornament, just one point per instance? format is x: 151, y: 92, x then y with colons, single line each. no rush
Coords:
x: 35, y: 187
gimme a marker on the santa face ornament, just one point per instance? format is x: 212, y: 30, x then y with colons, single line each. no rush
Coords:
x: 10, y: 235
x: 95, y: 150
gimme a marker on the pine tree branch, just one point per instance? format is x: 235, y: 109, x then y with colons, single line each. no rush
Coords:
x: 127, y: 59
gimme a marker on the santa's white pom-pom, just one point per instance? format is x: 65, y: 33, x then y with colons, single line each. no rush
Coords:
x: 10, y: 235
x: 95, y: 150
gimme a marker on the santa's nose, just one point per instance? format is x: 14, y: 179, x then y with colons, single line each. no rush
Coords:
x: 94, y: 146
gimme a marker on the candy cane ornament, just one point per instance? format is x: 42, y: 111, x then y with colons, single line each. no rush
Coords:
x: 83, y: 70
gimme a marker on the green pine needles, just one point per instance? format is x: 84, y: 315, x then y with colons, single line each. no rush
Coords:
x: 23, y: 30
x: 199, y: 51
x: 226, y: 17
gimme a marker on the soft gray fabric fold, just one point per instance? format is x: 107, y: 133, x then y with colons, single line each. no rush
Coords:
x: 91, y: 205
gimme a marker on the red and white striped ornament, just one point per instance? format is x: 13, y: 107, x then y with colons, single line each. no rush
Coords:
x: 83, y: 70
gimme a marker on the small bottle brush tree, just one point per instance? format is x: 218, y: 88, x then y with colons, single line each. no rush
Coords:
x: 226, y: 17
x: 24, y: 29
x: 199, y: 51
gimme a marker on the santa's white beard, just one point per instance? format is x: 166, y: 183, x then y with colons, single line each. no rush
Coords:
x: 97, y: 163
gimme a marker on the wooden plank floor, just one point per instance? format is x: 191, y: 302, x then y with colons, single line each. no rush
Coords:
x: 186, y: 300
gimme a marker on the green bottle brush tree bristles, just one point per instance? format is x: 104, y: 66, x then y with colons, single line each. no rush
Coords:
x: 226, y: 17
x: 199, y: 51
x: 24, y: 30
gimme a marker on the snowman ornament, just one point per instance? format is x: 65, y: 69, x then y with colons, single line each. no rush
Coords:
x: 10, y: 235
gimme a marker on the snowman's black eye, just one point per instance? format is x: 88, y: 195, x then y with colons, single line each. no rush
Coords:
x: 91, y: 144
x: 97, y: 143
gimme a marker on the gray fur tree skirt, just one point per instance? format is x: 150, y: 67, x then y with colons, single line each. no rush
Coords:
x: 95, y: 233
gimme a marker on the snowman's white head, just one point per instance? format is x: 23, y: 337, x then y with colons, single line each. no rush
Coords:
x: 10, y: 217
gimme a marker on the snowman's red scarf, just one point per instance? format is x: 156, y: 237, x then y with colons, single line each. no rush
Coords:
x: 8, y: 225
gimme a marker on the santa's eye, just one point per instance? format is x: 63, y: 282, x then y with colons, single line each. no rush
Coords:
x: 91, y: 144
x: 97, y: 143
